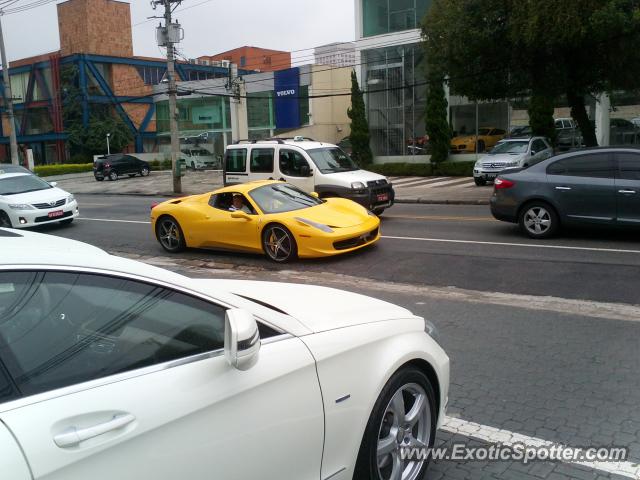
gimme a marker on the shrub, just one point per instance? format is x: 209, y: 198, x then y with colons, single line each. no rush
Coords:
x: 62, y: 169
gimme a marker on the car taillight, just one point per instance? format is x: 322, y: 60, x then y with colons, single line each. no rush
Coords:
x: 154, y: 205
x: 501, y: 183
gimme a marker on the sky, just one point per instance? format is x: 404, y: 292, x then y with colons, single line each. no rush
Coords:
x: 212, y: 27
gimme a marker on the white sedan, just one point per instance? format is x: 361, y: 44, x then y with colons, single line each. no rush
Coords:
x: 26, y: 200
x: 110, y: 368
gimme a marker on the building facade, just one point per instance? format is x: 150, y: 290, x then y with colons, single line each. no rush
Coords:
x: 96, y: 63
x: 336, y: 54
x: 264, y: 105
x: 389, y: 61
x: 252, y: 58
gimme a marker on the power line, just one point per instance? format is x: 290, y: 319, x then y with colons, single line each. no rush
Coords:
x: 28, y: 6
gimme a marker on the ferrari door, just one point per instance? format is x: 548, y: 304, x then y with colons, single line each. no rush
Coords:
x: 220, y: 228
x: 128, y: 380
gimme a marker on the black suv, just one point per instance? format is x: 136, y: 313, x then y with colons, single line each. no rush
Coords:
x: 112, y: 166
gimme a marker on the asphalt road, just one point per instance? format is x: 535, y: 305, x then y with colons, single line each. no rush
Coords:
x: 523, y: 366
x: 459, y: 246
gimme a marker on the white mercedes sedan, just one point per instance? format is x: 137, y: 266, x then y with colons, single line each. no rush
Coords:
x: 26, y: 201
x: 114, y: 369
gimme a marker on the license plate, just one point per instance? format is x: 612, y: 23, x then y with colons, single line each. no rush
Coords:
x: 383, y: 197
x: 57, y: 213
x: 491, y: 177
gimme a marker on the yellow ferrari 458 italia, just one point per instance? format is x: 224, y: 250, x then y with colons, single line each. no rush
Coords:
x: 265, y: 216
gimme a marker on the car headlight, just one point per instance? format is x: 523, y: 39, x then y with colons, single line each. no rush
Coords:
x: 358, y: 186
x: 21, y: 206
x: 431, y: 330
x: 319, y: 226
x: 70, y: 198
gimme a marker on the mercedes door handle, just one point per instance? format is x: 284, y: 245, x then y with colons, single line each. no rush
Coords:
x: 627, y: 191
x: 563, y: 188
x: 73, y: 436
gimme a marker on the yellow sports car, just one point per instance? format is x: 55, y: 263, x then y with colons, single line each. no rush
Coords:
x: 265, y: 216
x: 487, y: 138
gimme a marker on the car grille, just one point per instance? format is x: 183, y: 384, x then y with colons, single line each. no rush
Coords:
x: 43, y: 206
x: 375, y: 183
x: 494, y: 164
x: 47, y: 219
x: 356, y: 241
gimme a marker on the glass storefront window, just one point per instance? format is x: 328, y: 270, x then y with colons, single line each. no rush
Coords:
x: 260, y: 113
x: 204, y: 125
x: 395, y: 99
x: 386, y: 16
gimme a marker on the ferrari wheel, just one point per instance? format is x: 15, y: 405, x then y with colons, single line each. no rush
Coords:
x: 403, y: 418
x: 279, y: 244
x: 169, y: 234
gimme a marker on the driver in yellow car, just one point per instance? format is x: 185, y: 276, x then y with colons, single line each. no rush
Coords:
x: 238, y: 204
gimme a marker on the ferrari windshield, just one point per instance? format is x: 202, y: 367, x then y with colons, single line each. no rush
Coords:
x: 510, y: 147
x: 282, y: 197
x: 22, y: 184
x: 332, y: 160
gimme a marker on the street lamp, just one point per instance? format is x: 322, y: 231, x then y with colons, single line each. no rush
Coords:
x: 108, y: 149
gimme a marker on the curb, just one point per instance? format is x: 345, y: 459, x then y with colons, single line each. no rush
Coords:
x: 434, y: 201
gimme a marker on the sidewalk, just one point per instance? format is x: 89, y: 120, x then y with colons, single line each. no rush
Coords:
x: 426, y: 190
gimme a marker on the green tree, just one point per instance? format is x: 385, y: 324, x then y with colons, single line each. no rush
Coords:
x: 498, y: 49
x: 102, y: 120
x: 359, y: 137
x: 436, y: 123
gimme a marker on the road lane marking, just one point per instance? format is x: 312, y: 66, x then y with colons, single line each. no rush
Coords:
x: 112, y: 221
x: 441, y: 218
x: 506, y: 244
x: 511, y: 439
x: 439, y: 240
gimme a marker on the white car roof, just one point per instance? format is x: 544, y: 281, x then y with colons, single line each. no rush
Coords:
x: 305, y: 144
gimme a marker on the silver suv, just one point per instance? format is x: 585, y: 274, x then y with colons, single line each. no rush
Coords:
x: 511, y: 153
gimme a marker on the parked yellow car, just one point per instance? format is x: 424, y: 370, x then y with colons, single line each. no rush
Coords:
x: 487, y: 138
x: 269, y: 217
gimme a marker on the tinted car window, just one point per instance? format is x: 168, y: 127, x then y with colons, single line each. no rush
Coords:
x: 262, y: 160
x: 539, y: 146
x: 628, y: 166
x: 236, y: 160
x: 292, y: 163
x: 7, y: 392
x: 597, y: 165
x: 62, y: 328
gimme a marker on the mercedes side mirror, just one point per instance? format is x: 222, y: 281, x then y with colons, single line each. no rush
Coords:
x: 241, y: 339
x: 305, y: 171
x: 53, y: 184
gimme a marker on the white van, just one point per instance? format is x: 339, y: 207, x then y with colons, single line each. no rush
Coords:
x: 311, y: 166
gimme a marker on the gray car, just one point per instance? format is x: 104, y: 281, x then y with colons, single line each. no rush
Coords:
x: 598, y: 186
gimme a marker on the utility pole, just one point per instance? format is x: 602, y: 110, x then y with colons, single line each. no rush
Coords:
x: 169, y: 35
x: 8, y: 99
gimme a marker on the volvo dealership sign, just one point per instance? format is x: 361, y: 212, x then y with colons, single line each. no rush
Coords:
x: 287, y: 103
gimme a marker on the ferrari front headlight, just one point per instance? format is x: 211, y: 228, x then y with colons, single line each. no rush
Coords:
x: 319, y: 226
